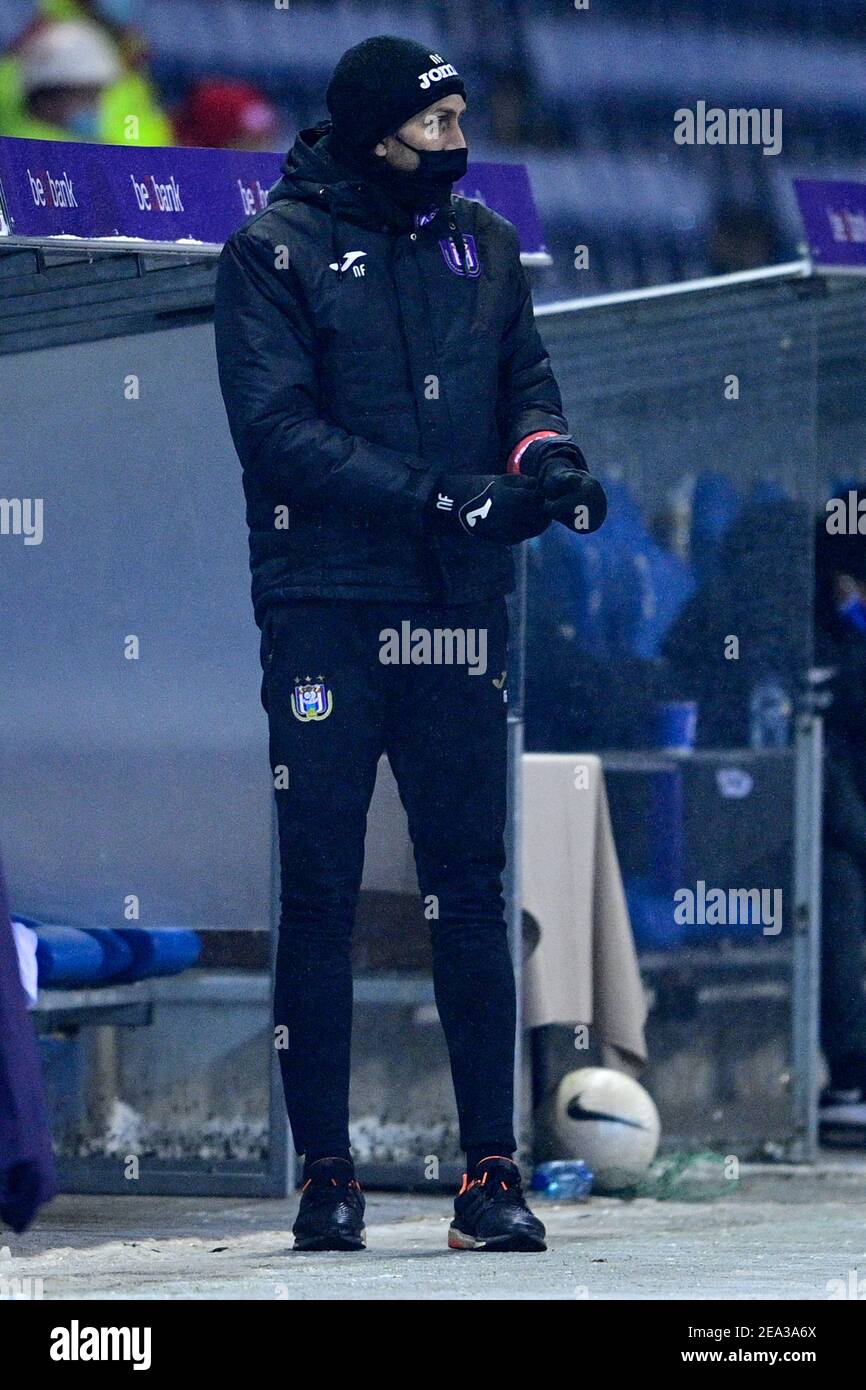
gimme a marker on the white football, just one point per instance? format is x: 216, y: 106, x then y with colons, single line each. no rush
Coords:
x: 604, y: 1117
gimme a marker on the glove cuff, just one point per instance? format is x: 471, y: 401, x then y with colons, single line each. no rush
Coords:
x: 513, y: 464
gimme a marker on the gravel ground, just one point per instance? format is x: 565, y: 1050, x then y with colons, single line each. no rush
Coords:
x: 780, y: 1234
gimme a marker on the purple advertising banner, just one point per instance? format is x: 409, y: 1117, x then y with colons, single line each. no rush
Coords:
x: 506, y: 189
x: 52, y: 188
x: 834, y: 215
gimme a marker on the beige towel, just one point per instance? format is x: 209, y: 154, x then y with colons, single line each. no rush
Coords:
x: 584, y: 969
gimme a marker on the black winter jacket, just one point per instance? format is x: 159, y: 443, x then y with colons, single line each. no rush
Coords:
x: 841, y: 651
x: 362, y: 355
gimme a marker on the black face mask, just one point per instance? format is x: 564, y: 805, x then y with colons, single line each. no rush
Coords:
x: 418, y: 189
x: 437, y: 170
x: 415, y: 190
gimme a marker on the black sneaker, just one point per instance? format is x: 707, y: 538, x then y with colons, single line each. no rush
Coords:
x: 331, y: 1214
x: 490, y: 1211
x: 842, y: 1118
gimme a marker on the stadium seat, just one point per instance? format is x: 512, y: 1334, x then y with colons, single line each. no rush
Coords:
x: 79, y: 957
x: 66, y: 958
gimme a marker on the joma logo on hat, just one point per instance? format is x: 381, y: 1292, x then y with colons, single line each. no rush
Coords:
x: 444, y: 69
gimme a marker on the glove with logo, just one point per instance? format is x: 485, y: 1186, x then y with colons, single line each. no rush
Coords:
x: 570, y: 493
x: 498, y: 507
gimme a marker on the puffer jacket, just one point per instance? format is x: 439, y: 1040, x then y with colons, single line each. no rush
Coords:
x: 363, y: 353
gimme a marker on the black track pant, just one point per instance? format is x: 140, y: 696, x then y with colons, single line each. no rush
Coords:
x: 444, y: 731
x: 843, y: 1004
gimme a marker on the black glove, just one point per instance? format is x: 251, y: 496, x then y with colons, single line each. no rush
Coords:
x: 571, y: 495
x: 498, y: 507
x: 580, y: 507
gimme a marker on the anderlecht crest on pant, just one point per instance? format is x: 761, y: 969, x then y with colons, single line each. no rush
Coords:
x: 311, y: 699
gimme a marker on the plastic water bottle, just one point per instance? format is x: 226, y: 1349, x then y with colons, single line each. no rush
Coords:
x: 770, y: 711
x: 563, y: 1180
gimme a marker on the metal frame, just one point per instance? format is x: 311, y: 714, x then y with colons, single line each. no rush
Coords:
x: 514, y: 826
x: 788, y: 270
x: 282, y: 1162
x: 132, y: 1006
x: 805, y: 1004
x: 103, y: 246
x: 808, y: 768
x: 206, y: 249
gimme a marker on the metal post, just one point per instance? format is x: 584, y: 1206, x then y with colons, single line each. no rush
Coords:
x: 513, y: 838
x: 806, y: 964
x: 281, y: 1152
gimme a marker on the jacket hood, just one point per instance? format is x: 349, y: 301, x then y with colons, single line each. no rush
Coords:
x: 308, y: 168
x: 311, y: 174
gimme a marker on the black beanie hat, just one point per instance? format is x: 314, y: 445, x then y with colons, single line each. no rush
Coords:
x: 380, y: 84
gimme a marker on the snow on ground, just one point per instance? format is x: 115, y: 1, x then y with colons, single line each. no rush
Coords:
x: 780, y: 1235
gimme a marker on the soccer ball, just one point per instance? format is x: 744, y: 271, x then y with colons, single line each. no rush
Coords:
x: 607, y: 1119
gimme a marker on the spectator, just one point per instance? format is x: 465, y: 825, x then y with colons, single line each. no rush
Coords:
x: 758, y: 591
x: 227, y: 115
x: 128, y: 108
x: 65, y: 68
x: 577, y: 700
x: 840, y: 674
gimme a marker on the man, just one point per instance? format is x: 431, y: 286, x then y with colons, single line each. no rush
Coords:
x: 839, y: 676
x: 399, y: 428
x: 65, y: 70
x: 122, y: 109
